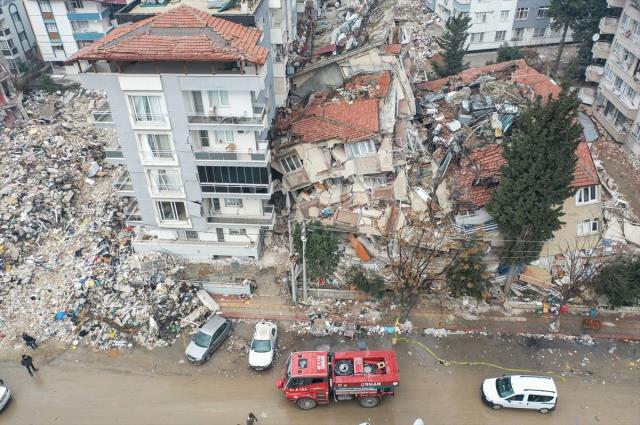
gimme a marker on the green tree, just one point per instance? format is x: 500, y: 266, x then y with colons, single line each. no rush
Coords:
x: 467, y: 274
x: 619, y: 281
x: 541, y: 159
x: 366, y: 281
x: 564, y: 15
x: 508, y: 53
x: 586, y: 25
x: 322, y: 249
x: 452, y: 42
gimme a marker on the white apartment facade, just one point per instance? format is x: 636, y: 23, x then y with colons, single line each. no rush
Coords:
x: 192, y: 131
x: 61, y: 28
x: 616, y: 69
x: 17, y: 41
x: 495, y: 22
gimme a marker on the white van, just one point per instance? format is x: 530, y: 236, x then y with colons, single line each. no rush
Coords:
x: 520, y: 392
x: 5, y: 396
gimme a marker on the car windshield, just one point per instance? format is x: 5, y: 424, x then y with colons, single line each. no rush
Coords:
x: 503, y: 385
x: 261, y: 346
x: 202, y: 339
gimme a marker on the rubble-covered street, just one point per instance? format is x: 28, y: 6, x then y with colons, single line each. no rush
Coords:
x: 598, y: 384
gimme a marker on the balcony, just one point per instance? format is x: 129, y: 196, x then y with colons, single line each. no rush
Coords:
x: 462, y: 5
x: 615, y: 3
x: 257, y: 119
x: 608, y: 25
x: 620, y: 100
x: 601, y: 49
x: 132, y: 214
x: 150, y: 120
x: 267, y: 219
x: 158, y: 157
x: 123, y: 185
x: 102, y: 116
x: 619, y: 134
x: 594, y: 73
x: 113, y: 153
x: 88, y: 35
x: 91, y: 16
x: 258, y: 158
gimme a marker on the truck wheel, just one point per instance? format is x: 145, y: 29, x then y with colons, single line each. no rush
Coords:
x: 369, y: 401
x: 306, y: 403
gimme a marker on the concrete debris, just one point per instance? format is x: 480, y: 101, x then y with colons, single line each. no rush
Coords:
x: 67, y: 269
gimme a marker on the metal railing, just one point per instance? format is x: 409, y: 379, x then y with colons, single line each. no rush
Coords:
x: 250, y: 189
x: 264, y: 220
x: 123, y: 184
x: 489, y: 226
x: 257, y: 117
x: 159, y: 155
x: 232, y: 155
x: 150, y: 119
x: 102, y: 116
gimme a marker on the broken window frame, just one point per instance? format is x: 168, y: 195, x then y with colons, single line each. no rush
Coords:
x: 172, y: 212
x: 290, y: 163
x: 373, y: 181
x: 587, y: 195
x: 361, y: 149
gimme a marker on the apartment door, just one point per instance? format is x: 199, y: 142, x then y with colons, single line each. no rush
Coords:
x: 216, y: 205
x: 198, y: 106
x: 220, y: 233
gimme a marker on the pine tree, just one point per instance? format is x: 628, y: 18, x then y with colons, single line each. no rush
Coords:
x: 452, y: 42
x: 508, y: 53
x: 564, y: 15
x: 586, y: 25
x: 541, y: 159
x: 467, y: 274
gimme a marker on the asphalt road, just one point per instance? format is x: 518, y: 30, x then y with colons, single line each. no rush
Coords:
x: 157, y: 387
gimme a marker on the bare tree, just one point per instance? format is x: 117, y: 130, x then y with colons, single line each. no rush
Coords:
x: 419, y: 255
x: 573, y: 270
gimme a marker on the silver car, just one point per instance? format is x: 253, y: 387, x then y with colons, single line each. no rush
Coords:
x: 5, y: 396
x: 208, y: 339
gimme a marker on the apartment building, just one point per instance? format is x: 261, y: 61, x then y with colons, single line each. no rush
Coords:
x: 494, y: 22
x: 62, y: 28
x: 16, y: 37
x: 276, y: 19
x: 190, y: 98
x: 616, y: 69
x: 11, y: 108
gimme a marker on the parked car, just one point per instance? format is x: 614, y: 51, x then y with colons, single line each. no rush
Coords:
x: 263, y: 345
x: 208, y: 339
x: 520, y: 392
x: 5, y: 396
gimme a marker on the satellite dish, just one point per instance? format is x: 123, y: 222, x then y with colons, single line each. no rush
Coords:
x: 595, y: 37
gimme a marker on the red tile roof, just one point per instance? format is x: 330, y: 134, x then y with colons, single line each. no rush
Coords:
x: 382, y: 81
x: 338, y: 120
x: 488, y: 160
x: 180, y: 34
x: 523, y: 74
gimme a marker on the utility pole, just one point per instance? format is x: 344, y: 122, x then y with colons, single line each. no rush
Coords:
x: 292, y: 265
x: 303, y: 238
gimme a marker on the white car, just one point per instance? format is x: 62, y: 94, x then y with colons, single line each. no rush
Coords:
x: 263, y: 345
x: 520, y: 392
x: 5, y: 396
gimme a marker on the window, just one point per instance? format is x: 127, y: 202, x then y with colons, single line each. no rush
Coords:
x: 218, y: 98
x: 481, y: 17
x: 224, y: 136
x: 203, y: 138
x: 82, y: 43
x: 80, y: 26
x: 539, y: 32
x: 146, y: 108
x: 13, y: 66
x: 374, y: 181
x: 45, y: 6
x: 522, y: 13
x: 542, y: 12
x: 539, y: 398
x: 517, y: 397
x: 361, y: 148
x: 172, y: 211
x: 58, y: 50
x: 233, y: 202
x: 587, y: 195
x: 219, y: 179
x: 189, y: 235
x: 588, y: 227
x: 72, y: 5
x: 477, y: 37
x: 291, y: 163
x: 504, y: 15
x: 518, y: 33
x: 156, y: 146
x: 163, y: 181
x: 51, y: 28
x: 500, y: 35
x: 238, y: 231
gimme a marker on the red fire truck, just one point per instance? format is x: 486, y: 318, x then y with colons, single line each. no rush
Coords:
x: 313, y: 377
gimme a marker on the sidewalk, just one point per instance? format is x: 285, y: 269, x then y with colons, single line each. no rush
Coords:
x: 274, y: 308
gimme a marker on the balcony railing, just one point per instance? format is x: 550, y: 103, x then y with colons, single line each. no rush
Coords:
x: 150, y: 119
x: 255, y: 118
x: 243, y: 156
x: 166, y: 189
x: 594, y: 73
x: 601, y: 49
x: 124, y: 185
x: 608, y: 25
x: 263, y: 220
x: 489, y: 226
x: 159, y: 155
x: 249, y: 189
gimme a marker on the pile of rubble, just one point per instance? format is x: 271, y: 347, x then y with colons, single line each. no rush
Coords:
x: 67, y: 270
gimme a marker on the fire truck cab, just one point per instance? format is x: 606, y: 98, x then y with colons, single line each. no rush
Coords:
x: 312, y: 377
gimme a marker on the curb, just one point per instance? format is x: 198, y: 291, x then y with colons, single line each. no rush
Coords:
x: 453, y: 328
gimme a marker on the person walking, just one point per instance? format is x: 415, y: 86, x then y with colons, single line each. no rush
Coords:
x: 29, y: 340
x: 251, y: 419
x: 27, y: 361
